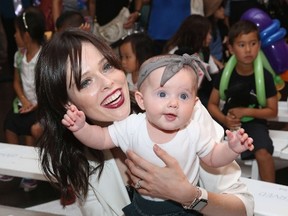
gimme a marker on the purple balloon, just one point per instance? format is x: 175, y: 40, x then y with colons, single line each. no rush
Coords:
x: 277, y: 53
x: 257, y: 16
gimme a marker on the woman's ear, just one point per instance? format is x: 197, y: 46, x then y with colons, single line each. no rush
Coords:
x: 139, y: 100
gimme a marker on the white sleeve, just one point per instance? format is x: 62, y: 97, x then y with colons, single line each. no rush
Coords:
x: 226, y: 179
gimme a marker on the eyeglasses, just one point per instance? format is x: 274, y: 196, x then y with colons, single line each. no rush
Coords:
x: 24, y: 20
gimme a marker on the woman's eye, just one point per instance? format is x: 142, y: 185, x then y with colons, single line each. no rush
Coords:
x: 107, y: 66
x: 84, y: 83
x: 162, y: 94
x: 183, y: 96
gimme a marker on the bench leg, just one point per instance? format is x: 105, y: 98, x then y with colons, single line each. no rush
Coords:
x: 255, y: 170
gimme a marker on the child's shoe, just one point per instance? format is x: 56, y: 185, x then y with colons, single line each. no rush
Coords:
x: 28, y: 184
x: 6, y: 178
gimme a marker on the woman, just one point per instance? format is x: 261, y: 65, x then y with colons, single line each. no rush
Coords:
x: 95, y: 83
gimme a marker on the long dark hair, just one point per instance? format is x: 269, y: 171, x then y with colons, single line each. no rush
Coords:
x: 62, y: 156
x: 191, y: 34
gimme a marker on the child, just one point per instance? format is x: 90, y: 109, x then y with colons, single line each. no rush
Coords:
x: 134, y: 50
x: 30, y: 27
x: 241, y: 97
x: 167, y: 91
x: 194, y: 36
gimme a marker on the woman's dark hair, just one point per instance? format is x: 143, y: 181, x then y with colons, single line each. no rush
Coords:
x: 62, y: 156
x: 242, y: 27
x: 142, y: 46
x: 191, y: 34
x: 32, y: 20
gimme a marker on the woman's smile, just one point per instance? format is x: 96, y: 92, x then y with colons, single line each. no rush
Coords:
x: 114, y: 100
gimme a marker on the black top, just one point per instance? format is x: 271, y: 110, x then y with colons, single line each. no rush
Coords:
x: 107, y: 10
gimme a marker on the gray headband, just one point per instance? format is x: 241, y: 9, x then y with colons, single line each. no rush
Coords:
x: 173, y: 63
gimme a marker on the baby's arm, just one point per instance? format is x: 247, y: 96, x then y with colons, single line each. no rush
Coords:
x: 90, y: 135
x: 224, y: 153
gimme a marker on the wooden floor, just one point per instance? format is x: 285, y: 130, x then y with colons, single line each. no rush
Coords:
x: 10, y: 192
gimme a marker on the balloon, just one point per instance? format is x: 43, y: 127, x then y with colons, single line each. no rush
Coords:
x: 259, y: 81
x: 259, y: 17
x: 272, y: 37
x: 259, y: 78
x: 284, y: 75
x: 277, y: 79
x: 225, y: 78
x: 270, y: 29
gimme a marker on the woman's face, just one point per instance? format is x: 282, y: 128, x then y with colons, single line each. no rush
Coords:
x: 104, y: 95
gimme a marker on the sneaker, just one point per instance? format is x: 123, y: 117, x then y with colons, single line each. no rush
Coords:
x: 28, y: 184
x: 6, y: 178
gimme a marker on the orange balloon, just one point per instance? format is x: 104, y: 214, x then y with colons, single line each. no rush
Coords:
x: 284, y: 76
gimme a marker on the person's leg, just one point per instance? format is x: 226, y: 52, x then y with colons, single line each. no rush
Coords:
x: 263, y: 149
x: 36, y: 130
x: 29, y: 141
x: 265, y: 165
x: 11, y: 137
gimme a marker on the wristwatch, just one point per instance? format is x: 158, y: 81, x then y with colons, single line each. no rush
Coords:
x: 199, y: 202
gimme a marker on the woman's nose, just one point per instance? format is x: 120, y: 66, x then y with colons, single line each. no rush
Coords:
x: 107, y: 83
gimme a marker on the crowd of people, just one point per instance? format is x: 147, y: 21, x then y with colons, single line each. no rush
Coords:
x: 164, y: 77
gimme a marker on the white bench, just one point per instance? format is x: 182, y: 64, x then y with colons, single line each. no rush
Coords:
x: 270, y: 199
x: 20, y: 161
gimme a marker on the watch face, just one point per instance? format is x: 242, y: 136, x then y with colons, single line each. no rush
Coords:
x: 200, y: 204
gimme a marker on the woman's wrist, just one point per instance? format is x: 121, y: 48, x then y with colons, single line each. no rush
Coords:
x: 188, y: 194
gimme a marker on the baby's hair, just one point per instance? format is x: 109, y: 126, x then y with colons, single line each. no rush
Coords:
x: 32, y: 20
x: 69, y: 19
x: 242, y: 27
x: 142, y: 46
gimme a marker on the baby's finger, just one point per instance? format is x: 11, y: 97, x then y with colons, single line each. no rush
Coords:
x: 65, y: 123
x: 68, y: 119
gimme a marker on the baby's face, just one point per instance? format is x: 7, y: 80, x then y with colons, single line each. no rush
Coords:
x: 170, y: 107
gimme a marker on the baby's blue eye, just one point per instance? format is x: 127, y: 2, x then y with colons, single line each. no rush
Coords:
x: 183, y: 96
x: 162, y: 94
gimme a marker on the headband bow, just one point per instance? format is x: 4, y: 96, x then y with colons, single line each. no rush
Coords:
x: 173, y: 63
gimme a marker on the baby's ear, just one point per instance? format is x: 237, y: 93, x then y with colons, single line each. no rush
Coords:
x: 139, y: 100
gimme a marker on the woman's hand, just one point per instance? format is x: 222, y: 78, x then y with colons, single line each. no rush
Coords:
x: 167, y: 182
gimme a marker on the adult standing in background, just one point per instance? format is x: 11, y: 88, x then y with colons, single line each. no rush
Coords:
x: 165, y: 19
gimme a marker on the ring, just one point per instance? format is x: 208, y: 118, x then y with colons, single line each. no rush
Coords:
x: 138, y: 184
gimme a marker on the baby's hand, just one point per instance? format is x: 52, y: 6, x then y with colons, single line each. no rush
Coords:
x: 239, y: 141
x: 74, y: 119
